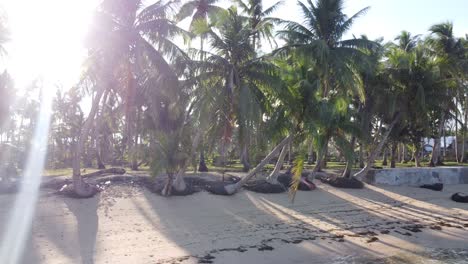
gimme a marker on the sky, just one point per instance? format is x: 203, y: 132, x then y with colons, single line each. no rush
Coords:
x: 47, y: 37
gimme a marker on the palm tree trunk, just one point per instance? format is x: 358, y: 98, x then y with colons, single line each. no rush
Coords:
x: 244, y: 157
x: 134, y: 150
x: 393, y: 154
x: 323, y: 164
x: 320, y: 157
x: 310, y: 158
x: 417, y: 161
x: 273, y: 177
x: 457, y: 157
x: 462, y: 154
x: 436, y: 149
x: 349, y: 161
x: 444, y: 135
x: 372, y: 156
x: 202, y: 164
x: 403, y: 153
x: 79, y: 186
x: 361, y: 155
x: 232, y: 188
x: 385, y: 161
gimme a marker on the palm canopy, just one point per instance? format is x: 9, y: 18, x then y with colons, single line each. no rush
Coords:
x: 260, y: 20
x: 237, y: 80
x: 198, y: 10
x: 406, y: 41
x: 319, y: 38
x: 448, y: 49
x: 135, y: 38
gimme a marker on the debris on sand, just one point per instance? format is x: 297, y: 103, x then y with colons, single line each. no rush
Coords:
x: 434, y: 187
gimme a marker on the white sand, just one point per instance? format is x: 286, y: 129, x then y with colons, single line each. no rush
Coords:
x: 131, y: 225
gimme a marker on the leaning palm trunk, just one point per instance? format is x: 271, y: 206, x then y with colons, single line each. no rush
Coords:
x: 81, y: 188
x: 232, y: 188
x: 273, y: 177
x: 372, y: 156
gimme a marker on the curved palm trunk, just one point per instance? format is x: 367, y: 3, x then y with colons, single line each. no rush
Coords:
x: 81, y: 188
x: 273, y: 177
x: 372, y: 156
x: 232, y: 188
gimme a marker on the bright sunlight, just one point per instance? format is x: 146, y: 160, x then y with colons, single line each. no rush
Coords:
x: 47, y: 38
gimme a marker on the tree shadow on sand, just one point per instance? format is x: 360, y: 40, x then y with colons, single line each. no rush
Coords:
x: 85, y: 212
x: 206, y: 225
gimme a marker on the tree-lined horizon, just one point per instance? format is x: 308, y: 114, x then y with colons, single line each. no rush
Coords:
x: 175, y: 108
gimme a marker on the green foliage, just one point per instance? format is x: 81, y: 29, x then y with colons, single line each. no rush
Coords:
x: 298, y: 167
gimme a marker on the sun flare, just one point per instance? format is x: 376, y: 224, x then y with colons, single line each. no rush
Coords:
x: 47, y: 39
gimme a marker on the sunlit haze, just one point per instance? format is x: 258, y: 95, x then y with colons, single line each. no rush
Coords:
x: 47, y: 36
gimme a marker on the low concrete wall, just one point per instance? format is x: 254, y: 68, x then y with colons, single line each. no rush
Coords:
x: 418, y: 176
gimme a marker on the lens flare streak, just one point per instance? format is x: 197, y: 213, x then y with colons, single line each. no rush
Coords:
x: 22, y: 212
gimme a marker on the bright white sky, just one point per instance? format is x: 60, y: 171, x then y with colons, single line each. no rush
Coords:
x: 47, y: 35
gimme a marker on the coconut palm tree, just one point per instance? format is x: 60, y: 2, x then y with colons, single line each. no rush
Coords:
x: 450, y: 53
x: 319, y: 38
x: 243, y: 77
x: 336, y: 62
x: 199, y: 12
x: 406, y: 41
x: 260, y: 21
x: 127, y: 41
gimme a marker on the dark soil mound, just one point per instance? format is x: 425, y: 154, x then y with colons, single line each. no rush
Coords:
x: 262, y: 186
x: 460, y: 197
x: 217, y: 187
x: 347, y: 183
x: 158, y: 186
x: 434, y: 187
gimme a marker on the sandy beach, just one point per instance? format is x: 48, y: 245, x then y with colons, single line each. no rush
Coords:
x: 128, y: 224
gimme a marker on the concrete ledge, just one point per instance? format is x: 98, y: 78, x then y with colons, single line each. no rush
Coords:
x: 418, y: 176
